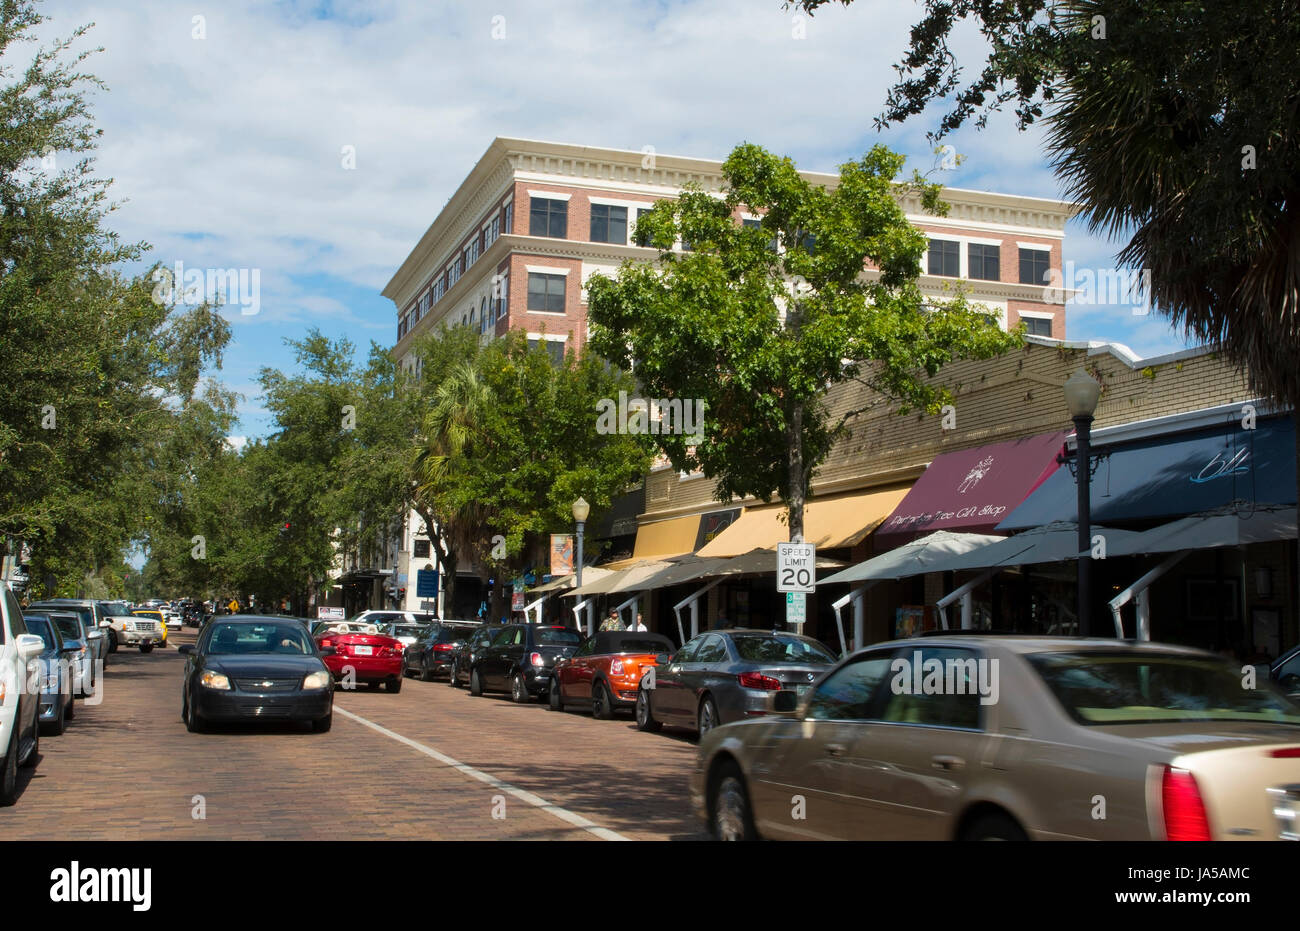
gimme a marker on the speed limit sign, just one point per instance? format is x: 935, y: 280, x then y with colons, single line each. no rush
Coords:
x: 795, y: 565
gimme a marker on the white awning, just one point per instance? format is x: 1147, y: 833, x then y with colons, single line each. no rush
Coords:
x: 915, y: 558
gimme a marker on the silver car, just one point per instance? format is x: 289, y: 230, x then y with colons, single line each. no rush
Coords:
x: 987, y: 737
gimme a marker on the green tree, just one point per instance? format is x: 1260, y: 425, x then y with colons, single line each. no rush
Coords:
x: 758, y: 323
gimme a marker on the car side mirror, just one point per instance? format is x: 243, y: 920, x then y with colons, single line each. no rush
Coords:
x: 1289, y: 683
x: 785, y: 702
x: 29, y: 645
x: 186, y: 649
x: 663, y: 659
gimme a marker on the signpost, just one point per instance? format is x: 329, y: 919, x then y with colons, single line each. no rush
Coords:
x: 426, y: 583
x: 796, y: 575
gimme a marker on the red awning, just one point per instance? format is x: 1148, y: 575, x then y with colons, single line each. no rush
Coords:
x: 972, y: 490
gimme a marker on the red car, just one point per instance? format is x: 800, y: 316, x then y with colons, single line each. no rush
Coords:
x: 605, y: 672
x: 370, y: 658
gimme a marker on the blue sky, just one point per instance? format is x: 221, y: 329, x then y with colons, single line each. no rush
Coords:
x: 225, y: 129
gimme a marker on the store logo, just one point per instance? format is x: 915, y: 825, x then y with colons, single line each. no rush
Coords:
x: 1219, y: 467
x: 87, y: 884
x: 982, y: 468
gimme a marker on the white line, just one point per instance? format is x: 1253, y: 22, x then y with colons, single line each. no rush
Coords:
x: 535, y: 800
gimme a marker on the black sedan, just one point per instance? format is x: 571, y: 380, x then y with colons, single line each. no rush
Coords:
x: 256, y: 668
x: 729, y: 675
x: 430, y: 654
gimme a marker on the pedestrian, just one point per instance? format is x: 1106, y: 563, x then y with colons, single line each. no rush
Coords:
x: 613, y: 622
x: 639, y: 625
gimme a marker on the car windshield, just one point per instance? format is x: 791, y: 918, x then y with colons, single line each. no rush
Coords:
x: 41, y: 628
x: 406, y: 630
x: 780, y: 648
x: 1104, y: 688
x: 68, y: 626
x: 558, y: 637
x: 452, y: 634
x: 228, y: 639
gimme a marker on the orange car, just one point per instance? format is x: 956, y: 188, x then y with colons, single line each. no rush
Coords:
x: 605, y: 671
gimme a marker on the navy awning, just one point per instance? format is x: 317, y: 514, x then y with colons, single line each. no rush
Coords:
x: 1173, y: 476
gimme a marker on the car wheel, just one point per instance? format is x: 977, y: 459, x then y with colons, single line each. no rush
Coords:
x: 374, y: 685
x: 9, y: 770
x: 732, y: 817
x: 601, y: 707
x: 71, y: 711
x: 394, y: 684
x: 146, y: 648
x: 993, y: 826
x: 555, y: 700
x: 475, y: 683
x: 193, y: 723
x: 453, y: 676
x: 56, y: 727
x: 426, y: 674
x: 112, y: 640
x: 35, y: 751
x: 645, y: 720
x: 707, y: 719
x: 518, y: 690
x: 322, y: 725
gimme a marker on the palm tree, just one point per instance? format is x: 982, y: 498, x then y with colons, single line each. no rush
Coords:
x: 453, y: 524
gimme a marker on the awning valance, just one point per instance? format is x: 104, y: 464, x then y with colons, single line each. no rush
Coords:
x: 973, y: 489
x: 1208, y: 531
x: 915, y: 558
x: 1173, y: 476
x: 1056, y: 542
x: 839, y: 520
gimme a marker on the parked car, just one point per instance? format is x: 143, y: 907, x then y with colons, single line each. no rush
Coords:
x: 384, y: 617
x: 255, y: 668
x: 97, y: 637
x: 729, y: 675
x: 406, y: 633
x: 462, y: 655
x: 56, y: 704
x: 430, y: 654
x: 74, y: 650
x: 108, y: 609
x: 605, y: 671
x: 985, y: 737
x: 520, y: 658
x: 20, y: 731
x: 137, y: 630
x: 159, y: 620
x: 372, y: 658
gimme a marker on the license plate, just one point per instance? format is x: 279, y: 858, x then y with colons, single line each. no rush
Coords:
x: 802, y: 690
x: 363, y: 651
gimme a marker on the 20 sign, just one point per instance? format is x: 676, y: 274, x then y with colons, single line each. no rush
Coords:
x: 795, y: 567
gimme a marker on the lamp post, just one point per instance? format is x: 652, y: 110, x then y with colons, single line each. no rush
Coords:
x: 580, y: 511
x: 1082, y: 392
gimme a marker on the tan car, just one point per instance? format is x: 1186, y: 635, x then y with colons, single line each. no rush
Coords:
x: 974, y: 737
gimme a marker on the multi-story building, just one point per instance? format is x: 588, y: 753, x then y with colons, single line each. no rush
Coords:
x: 517, y: 242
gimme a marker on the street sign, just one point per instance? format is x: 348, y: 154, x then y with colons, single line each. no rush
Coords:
x: 796, y: 608
x: 795, y: 567
x: 330, y: 614
x: 426, y: 583
x: 517, y: 602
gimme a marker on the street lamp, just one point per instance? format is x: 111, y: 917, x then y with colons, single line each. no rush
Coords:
x: 1082, y: 392
x: 580, y: 511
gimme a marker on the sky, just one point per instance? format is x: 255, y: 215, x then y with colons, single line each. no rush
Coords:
x: 311, y: 144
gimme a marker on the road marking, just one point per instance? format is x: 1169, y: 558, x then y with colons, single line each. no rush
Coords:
x: 523, y: 795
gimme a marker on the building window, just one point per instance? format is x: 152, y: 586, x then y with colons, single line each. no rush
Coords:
x: 1034, y: 264
x: 466, y: 260
x: 546, y: 292
x: 640, y: 212
x: 502, y: 298
x: 508, y: 218
x: 553, y: 346
x: 483, y: 315
x: 548, y: 218
x: 421, y: 549
x: 475, y: 249
x: 985, y: 261
x: 495, y: 230
x: 944, y: 258
x: 608, y: 224
x: 1037, y: 326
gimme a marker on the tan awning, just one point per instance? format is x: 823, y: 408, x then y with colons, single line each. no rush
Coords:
x: 589, y: 574
x: 841, y: 520
x: 609, y: 583
x: 667, y: 537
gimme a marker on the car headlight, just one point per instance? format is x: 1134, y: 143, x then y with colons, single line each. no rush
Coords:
x: 214, y: 680
x: 317, y: 680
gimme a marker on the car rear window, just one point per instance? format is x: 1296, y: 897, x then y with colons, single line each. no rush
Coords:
x: 41, y: 628
x: 449, y: 634
x: 776, y: 648
x: 68, y: 626
x: 1105, y: 688
x: 558, y: 637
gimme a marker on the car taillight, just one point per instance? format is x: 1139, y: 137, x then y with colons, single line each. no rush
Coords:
x: 756, y: 680
x: 536, y: 659
x: 1184, y: 810
x: 443, y: 647
x: 326, y: 643
x: 616, y: 668
x: 1286, y: 753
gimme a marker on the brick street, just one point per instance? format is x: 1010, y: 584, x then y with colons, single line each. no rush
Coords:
x: 127, y: 769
